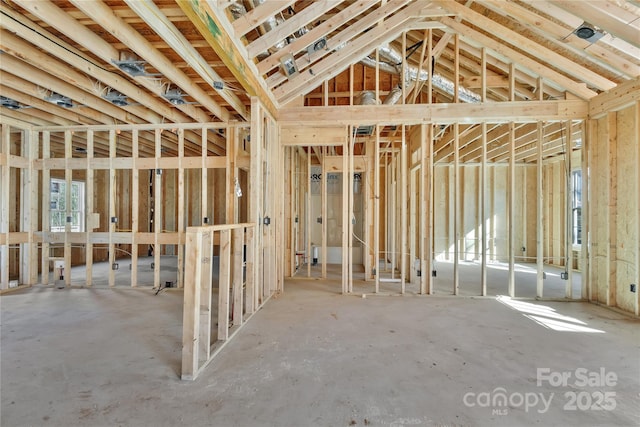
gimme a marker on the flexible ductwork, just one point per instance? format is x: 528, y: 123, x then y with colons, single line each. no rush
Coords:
x: 391, y: 62
x: 367, y: 97
x: 237, y: 10
x: 394, y: 96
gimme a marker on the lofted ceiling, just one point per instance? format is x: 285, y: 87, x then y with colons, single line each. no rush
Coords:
x: 81, y: 62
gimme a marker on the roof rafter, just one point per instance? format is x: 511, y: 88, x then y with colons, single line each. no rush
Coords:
x: 216, y: 29
x: 290, y: 26
x: 316, y: 33
x: 104, y: 16
x: 343, y: 37
x: 353, y: 52
x: 154, y: 17
x: 614, y: 26
x: 560, y: 36
x: 255, y: 17
x: 542, y: 53
x: 57, y: 18
x: 522, y: 61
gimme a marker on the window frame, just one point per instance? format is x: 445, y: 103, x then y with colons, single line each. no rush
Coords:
x: 57, y: 216
x: 576, y: 209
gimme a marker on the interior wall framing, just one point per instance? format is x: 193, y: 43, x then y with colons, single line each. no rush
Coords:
x: 140, y: 194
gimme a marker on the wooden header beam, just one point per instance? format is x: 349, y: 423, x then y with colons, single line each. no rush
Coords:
x: 411, y: 114
x: 622, y: 96
x: 217, y: 30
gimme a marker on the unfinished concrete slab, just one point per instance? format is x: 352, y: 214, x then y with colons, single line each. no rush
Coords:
x: 311, y: 357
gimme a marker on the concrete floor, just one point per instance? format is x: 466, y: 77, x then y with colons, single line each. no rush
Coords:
x: 469, y: 283
x: 311, y: 357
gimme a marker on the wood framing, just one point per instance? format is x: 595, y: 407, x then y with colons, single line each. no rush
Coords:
x: 523, y: 112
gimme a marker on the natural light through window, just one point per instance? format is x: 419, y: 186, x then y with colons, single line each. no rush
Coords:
x: 547, y: 316
x: 58, y: 205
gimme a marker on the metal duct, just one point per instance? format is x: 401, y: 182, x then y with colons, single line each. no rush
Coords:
x: 391, y: 62
x: 237, y: 10
x: 394, y: 96
x: 367, y: 97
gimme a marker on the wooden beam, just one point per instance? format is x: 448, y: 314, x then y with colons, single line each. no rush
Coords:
x: 46, y: 217
x: 354, y: 51
x: 423, y: 214
x: 539, y: 215
x: 113, y: 216
x: 568, y: 240
x: 307, y: 223
x: 301, y: 43
x: 256, y: 16
x: 456, y: 209
x: 46, y: 81
x: 59, y: 19
x: 255, y: 204
x: 404, y: 174
x: 572, y: 21
x: 511, y: 210
x: 516, y: 39
x: 586, y: 206
x: 413, y: 114
x: 376, y: 210
x: 202, y: 281
x: 590, y: 13
x: 191, y: 307
x: 68, y: 153
x: 312, y: 136
x: 350, y: 194
x: 525, y: 79
x: 325, y: 220
x: 135, y: 204
x: 289, y: 26
x: 483, y: 212
x: 155, y: 18
x: 637, y: 197
x: 418, y: 84
x: 611, y: 123
x: 157, y: 208
x: 224, y: 284
x: 478, y: 39
x: 5, y: 192
x: 181, y: 205
x: 103, y: 15
x: 31, y: 254
x: 238, y: 282
x: 456, y: 67
x: 217, y: 30
x: 345, y: 215
x: 622, y: 96
x: 564, y: 38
